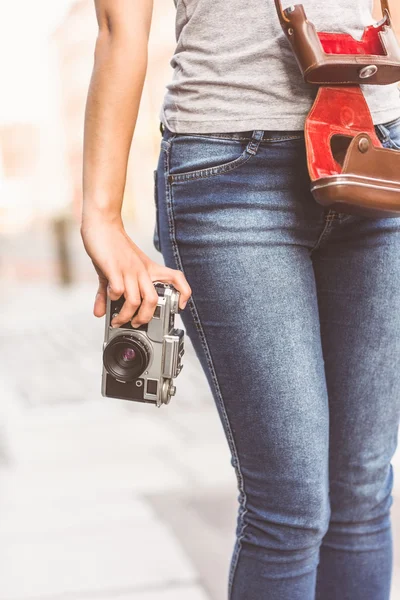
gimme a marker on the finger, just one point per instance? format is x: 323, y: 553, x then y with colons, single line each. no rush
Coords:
x: 113, y: 283
x: 115, y: 287
x: 178, y: 280
x: 131, y: 304
x: 100, y: 303
x: 148, y: 304
x: 181, y: 284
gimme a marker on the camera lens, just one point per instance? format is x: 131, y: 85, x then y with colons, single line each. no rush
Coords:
x: 128, y: 354
x: 126, y: 357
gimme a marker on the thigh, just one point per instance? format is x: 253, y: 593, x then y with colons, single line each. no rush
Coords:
x: 242, y: 239
x: 358, y: 281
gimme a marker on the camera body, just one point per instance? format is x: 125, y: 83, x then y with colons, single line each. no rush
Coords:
x: 140, y: 363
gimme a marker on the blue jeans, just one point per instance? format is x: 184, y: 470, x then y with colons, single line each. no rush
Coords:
x: 295, y: 318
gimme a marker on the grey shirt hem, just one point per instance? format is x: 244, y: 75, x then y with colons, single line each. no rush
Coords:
x: 295, y: 122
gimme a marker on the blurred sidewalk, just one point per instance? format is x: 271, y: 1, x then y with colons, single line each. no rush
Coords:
x: 101, y: 498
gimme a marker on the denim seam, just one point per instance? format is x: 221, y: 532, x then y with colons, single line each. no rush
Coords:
x: 206, y: 349
x: 251, y: 150
x: 329, y: 218
x: 392, y: 122
x: 166, y: 143
x: 383, y: 133
x: 222, y: 137
x: 385, y: 136
x: 254, y: 143
x: 248, y: 138
x: 280, y: 139
x: 345, y: 216
x: 156, y: 230
x: 392, y: 145
x: 210, y: 171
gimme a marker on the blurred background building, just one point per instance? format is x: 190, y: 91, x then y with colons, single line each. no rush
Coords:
x: 98, y: 498
x: 41, y: 133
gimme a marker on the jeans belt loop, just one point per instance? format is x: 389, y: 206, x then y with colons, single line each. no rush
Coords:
x: 384, y: 133
x: 254, y: 143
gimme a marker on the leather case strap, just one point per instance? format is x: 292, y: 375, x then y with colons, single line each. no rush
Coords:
x: 285, y: 22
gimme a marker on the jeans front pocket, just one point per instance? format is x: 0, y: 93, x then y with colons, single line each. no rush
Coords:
x: 156, y: 236
x: 194, y: 157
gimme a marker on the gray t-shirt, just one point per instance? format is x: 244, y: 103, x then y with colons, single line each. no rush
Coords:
x: 233, y: 68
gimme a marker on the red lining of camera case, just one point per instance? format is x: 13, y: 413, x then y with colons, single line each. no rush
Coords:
x: 349, y: 168
x: 336, y: 111
x: 344, y: 43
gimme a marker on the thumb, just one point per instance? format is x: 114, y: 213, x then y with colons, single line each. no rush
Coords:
x: 100, y: 303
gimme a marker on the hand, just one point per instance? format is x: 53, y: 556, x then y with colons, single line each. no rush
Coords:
x: 123, y: 268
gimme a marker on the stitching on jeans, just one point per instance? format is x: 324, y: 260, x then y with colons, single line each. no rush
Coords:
x: 329, y: 218
x: 251, y: 150
x: 248, y: 138
x: 219, y: 136
x: 392, y: 145
x: 167, y: 141
x: 211, y: 171
x: 286, y: 137
x: 207, y: 352
x: 345, y: 217
x: 391, y: 123
x: 385, y: 135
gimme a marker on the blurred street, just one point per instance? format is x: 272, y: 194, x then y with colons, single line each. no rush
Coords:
x: 100, y: 499
x: 103, y: 498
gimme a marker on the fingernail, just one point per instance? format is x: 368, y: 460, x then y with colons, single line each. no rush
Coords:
x: 135, y: 325
x: 184, y: 304
x: 114, y: 325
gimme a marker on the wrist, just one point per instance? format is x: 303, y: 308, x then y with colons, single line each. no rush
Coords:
x: 95, y: 214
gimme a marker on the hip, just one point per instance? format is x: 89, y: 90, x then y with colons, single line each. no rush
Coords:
x: 247, y: 187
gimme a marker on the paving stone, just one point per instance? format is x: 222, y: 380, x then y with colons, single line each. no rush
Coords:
x: 103, y: 498
x: 72, y: 520
x: 181, y: 593
x: 204, y: 521
x: 91, y: 440
x: 35, y: 516
x: 91, y: 559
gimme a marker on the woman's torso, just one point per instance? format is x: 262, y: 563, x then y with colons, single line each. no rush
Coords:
x: 234, y: 69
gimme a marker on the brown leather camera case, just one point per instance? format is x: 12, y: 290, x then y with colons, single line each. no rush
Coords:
x: 338, y: 58
x: 349, y: 168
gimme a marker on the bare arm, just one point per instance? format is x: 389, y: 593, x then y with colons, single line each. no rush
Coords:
x: 113, y: 100
x: 111, y: 111
x: 395, y: 12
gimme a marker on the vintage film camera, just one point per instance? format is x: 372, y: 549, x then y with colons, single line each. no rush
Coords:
x: 140, y: 363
